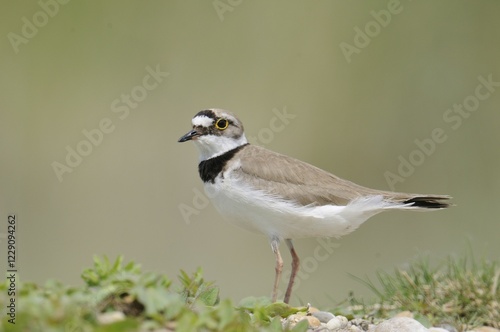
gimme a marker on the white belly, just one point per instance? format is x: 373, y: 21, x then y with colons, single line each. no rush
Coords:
x: 260, y: 212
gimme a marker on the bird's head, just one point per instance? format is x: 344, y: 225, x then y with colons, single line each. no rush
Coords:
x: 214, y: 132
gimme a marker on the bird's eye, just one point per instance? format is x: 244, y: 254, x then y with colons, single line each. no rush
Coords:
x: 221, y: 124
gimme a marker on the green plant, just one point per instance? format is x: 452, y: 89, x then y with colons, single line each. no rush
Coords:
x: 461, y: 292
x: 138, y: 301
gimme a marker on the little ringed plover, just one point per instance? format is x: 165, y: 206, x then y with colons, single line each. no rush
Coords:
x: 282, y: 197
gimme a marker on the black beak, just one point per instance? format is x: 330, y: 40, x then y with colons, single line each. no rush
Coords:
x: 189, y: 136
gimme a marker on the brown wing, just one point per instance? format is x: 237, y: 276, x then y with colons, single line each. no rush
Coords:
x: 301, y: 182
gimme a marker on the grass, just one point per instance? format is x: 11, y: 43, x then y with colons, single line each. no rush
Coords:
x: 460, y: 292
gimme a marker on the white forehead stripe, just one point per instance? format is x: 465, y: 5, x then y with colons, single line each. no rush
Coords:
x: 202, y: 120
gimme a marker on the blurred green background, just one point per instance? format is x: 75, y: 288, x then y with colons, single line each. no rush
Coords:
x: 66, y: 67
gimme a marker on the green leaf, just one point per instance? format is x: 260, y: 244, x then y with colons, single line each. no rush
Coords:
x: 210, y: 296
x: 122, y: 326
x: 154, y: 300
x: 275, y: 325
x: 188, y: 322
x: 226, y: 313
x: 280, y: 309
x: 301, y: 326
x: 117, y: 264
x: 90, y: 277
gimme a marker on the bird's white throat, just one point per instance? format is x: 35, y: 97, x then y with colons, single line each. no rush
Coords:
x: 212, y: 146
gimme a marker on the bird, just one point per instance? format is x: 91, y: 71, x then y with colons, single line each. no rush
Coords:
x: 282, y: 197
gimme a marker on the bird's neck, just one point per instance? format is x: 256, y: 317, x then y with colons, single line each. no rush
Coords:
x: 211, y: 146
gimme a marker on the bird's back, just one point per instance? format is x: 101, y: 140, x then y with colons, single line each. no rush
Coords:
x: 306, y: 184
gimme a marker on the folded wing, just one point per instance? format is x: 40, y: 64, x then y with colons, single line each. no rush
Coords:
x: 295, y: 180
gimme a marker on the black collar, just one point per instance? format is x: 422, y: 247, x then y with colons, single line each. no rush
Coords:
x: 210, y: 168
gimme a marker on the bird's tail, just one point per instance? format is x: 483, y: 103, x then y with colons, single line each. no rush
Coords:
x: 429, y: 201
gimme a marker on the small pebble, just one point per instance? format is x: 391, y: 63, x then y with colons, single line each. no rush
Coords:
x: 337, y: 323
x: 311, y: 310
x: 292, y: 320
x: 361, y: 323
x: 323, y: 316
x: 110, y: 317
x: 313, y: 321
x: 447, y: 327
x: 405, y: 314
x: 400, y: 324
x: 355, y: 328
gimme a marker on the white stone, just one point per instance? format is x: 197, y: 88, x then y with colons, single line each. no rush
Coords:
x: 337, y: 323
x: 323, y: 316
x: 110, y: 317
x: 400, y: 324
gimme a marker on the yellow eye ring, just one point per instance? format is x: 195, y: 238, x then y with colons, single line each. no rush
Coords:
x: 221, y: 124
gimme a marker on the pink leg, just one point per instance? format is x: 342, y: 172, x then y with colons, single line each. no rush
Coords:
x: 295, y: 268
x: 275, y: 242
